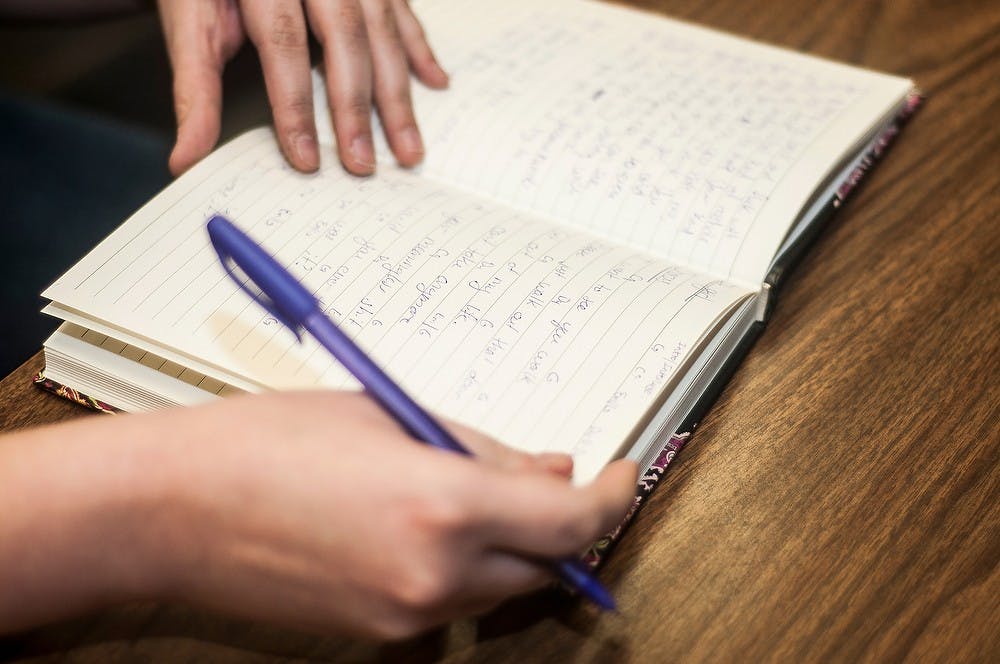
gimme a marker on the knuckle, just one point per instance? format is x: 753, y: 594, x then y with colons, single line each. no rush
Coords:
x: 382, y: 17
x: 398, y: 107
x: 350, y: 22
x: 421, y: 589
x: 286, y: 33
x: 293, y: 114
x: 353, y: 105
x: 438, y: 515
x: 401, y: 96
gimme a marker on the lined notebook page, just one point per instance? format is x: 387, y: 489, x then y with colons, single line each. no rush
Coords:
x: 696, y: 145
x: 545, y: 337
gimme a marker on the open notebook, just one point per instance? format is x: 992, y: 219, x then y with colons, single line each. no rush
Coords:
x: 608, y: 201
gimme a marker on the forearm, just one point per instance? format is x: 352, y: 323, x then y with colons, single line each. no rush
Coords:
x: 78, y: 505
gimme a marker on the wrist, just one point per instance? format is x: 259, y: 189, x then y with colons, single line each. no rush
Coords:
x: 137, y: 505
x: 156, y: 496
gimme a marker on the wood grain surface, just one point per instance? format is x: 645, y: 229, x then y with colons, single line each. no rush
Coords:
x: 841, y: 502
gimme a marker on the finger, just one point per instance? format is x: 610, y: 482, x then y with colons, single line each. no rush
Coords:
x: 278, y: 30
x: 555, y: 463
x: 540, y: 516
x: 500, y: 575
x: 340, y: 28
x: 488, y: 580
x: 495, y: 577
x: 419, y: 52
x: 364, y: 405
x: 502, y: 456
x: 392, y: 82
x: 197, y: 86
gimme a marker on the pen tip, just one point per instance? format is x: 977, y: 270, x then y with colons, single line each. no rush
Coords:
x: 602, y: 598
x: 580, y: 578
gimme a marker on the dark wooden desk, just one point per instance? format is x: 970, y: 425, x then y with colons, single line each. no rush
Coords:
x: 842, y: 499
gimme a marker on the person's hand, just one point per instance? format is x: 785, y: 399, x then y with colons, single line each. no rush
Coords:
x: 369, y: 49
x: 313, y: 510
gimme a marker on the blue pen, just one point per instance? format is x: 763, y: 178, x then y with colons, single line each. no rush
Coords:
x: 290, y: 302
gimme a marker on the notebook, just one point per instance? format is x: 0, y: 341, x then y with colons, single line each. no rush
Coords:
x: 609, y: 202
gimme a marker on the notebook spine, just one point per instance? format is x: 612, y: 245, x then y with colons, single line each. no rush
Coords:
x: 653, y: 477
x: 876, y: 150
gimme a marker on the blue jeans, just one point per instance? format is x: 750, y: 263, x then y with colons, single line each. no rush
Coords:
x: 66, y: 181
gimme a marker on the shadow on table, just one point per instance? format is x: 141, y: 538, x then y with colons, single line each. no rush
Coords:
x: 157, y: 632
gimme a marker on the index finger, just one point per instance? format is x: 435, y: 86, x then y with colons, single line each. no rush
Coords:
x: 502, y: 456
x: 537, y: 515
x: 278, y: 30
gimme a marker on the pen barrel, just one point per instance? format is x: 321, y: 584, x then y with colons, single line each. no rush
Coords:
x: 379, y: 385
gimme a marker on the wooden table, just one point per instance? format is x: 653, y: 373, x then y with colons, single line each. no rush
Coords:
x: 842, y: 499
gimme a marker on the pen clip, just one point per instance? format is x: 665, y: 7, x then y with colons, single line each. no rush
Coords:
x: 247, y: 263
x: 241, y: 279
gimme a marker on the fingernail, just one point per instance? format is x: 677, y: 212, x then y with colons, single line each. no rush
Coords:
x: 410, y: 141
x: 363, y: 151
x: 306, y: 150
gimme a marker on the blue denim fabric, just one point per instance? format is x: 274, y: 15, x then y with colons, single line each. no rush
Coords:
x: 66, y: 181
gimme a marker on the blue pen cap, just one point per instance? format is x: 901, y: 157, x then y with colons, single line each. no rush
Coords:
x: 280, y: 293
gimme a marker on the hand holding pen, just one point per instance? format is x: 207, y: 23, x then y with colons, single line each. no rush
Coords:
x: 310, y: 509
x: 295, y: 306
